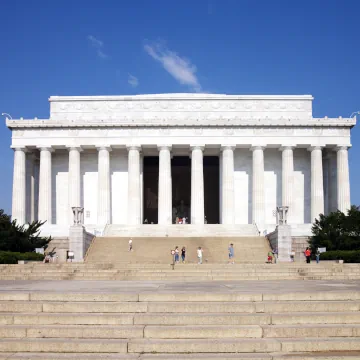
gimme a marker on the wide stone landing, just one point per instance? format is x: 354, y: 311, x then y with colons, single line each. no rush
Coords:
x: 168, y: 320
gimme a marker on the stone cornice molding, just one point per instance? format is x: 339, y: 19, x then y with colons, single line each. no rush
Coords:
x: 178, y: 96
x: 212, y: 120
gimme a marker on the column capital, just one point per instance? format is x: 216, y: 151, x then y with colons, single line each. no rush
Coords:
x: 104, y: 147
x: 45, y: 148
x: 287, y: 147
x: 133, y: 147
x: 78, y: 148
x: 342, y: 147
x: 315, y: 147
x: 227, y: 147
x: 197, y: 147
x: 164, y: 147
x: 257, y: 147
x: 19, y: 148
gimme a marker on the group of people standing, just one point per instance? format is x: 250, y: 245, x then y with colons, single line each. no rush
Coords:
x: 199, y: 253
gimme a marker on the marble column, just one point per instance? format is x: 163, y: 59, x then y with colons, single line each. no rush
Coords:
x: 343, y: 180
x: 104, y: 196
x: 258, y: 190
x: 45, y: 185
x: 19, y: 186
x: 197, y: 185
x: 165, y: 186
x: 134, y: 191
x: 288, y: 180
x: 317, y: 183
x: 30, y: 187
x: 74, y: 180
x: 227, y: 185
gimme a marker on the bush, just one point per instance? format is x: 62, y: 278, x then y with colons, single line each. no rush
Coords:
x: 8, y: 257
x: 349, y: 256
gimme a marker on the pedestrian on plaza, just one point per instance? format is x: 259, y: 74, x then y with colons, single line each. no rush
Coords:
x: 270, y: 257
x: 231, y: 253
x: 200, y: 254
x: 177, y: 254
x: 317, y: 254
x: 183, y: 254
x: 130, y: 245
x: 308, y: 255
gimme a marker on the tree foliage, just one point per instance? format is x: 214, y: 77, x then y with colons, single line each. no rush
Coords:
x: 337, y: 231
x: 20, y: 238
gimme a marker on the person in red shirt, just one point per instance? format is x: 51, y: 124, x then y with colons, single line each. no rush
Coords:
x: 308, y: 254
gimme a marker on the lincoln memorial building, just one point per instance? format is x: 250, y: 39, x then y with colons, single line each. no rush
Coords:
x: 135, y: 163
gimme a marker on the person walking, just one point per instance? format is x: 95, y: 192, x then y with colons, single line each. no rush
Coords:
x: 176, y: 254
x: 317, y: 254
x: 308, y: 255
x: 183, y: 254
x: 200, y: 254
x: 231, y: 253
x: 130, y: 245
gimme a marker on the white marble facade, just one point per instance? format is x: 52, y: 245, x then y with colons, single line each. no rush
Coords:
x: 90, y: 153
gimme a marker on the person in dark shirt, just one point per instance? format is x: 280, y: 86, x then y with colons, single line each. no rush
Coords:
x: 183, y: 254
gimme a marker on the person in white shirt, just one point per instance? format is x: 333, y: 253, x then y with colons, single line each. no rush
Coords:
x: 130, y: 245
x: 200, y: 254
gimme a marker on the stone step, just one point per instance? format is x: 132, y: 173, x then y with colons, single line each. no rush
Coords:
x: 73, y: 331
x: 178, y: 307
x: 196, y: 356
x: 64, y: 345
x: 66, y: 319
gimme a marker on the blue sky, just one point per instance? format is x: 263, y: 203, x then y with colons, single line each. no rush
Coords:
x: 221, y: 46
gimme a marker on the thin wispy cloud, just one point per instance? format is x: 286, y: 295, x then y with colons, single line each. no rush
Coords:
x: 133, y: 81
x: 180, y: 68
x: 98, y: 45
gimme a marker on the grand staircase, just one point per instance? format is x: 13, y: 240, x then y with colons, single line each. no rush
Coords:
x: 185, y: 324
x: 112, y: 250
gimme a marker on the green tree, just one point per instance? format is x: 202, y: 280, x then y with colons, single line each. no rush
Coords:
x: 337, y: 231
x: 20, y: 238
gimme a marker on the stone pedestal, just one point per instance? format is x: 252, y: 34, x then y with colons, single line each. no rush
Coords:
x: 284, y: 242
x: 77, y: 242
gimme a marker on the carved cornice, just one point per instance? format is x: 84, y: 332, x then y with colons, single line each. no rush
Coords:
x: 188, y: 122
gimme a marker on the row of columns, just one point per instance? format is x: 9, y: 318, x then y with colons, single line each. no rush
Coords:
x: 165, y: 184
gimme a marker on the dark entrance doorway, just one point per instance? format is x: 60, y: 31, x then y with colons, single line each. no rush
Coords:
x: 181, y: 188
x: 151, y: 188
x: 211, y: 189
